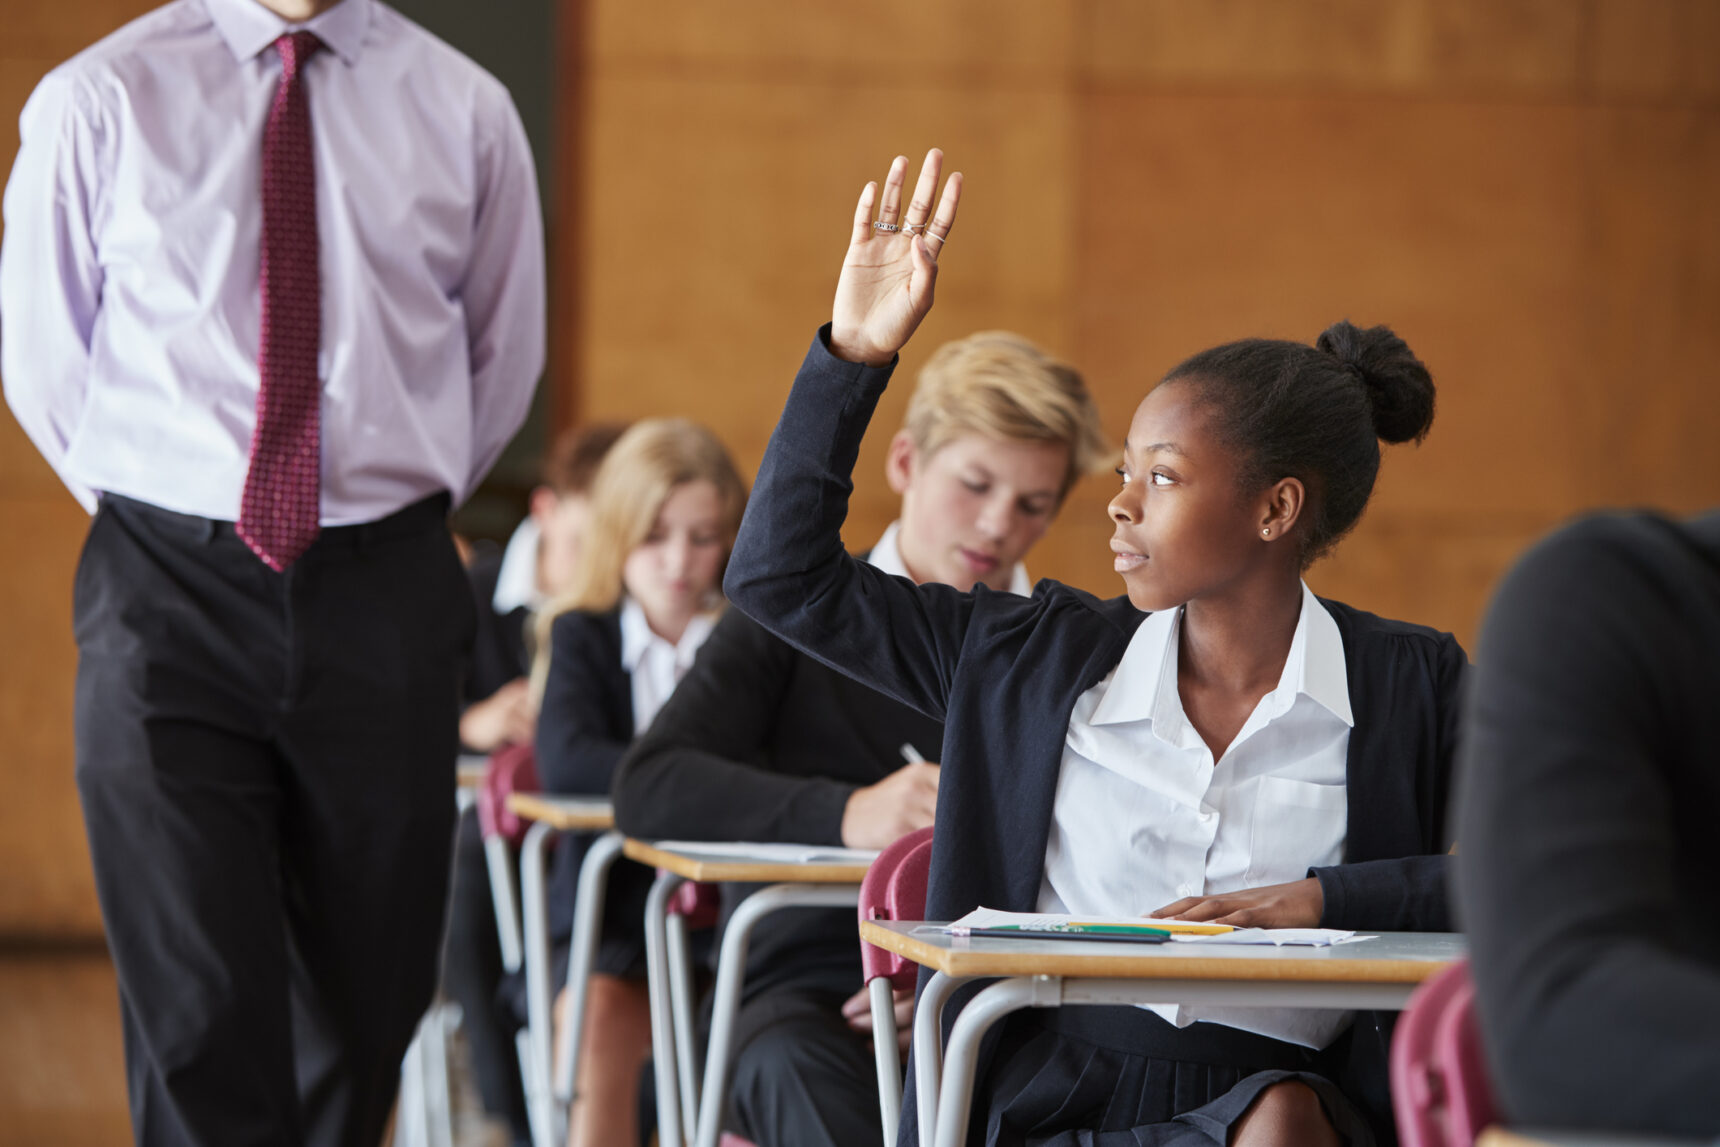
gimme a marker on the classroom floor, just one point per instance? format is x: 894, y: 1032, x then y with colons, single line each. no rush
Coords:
x: 62, y: 1070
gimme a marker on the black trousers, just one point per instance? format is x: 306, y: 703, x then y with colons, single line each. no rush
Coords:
x: 801, y: 1076
x: 266, y: 764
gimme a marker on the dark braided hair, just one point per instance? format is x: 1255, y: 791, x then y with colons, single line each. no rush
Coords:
x: 1315, y: 413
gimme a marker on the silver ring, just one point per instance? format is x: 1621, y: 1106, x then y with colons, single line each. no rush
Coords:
x: 882, y: 226
x: 914, y: 228
x: 944, y: 238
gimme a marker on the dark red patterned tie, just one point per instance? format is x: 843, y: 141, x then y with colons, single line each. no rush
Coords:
x: 278, y: 514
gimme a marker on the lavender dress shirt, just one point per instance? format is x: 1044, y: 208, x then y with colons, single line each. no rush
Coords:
x: 128, y: 273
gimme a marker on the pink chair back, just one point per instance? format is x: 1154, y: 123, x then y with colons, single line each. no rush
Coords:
x: 511, y: 769
x: 701, y: 904
x: 895, y: 889
x: 1440, y: 1090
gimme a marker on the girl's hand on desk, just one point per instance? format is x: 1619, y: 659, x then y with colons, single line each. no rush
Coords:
x: 1297, y: 904
x: 888, y: 275
x: 506, y: 716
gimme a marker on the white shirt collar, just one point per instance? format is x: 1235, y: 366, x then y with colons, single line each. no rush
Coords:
x: 516, y: 581
x: 1144, y: 685
x: 887, y: 556
x: 637, y: 637
x: 248, y: 27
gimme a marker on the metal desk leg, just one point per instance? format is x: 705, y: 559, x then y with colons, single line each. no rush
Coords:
x: 681, y: 1012
x: 731, y: 966
x: 498, y: 861
x: 669, y: 1132
x: 985, y: 1009
x: 889, y: 1060
x: 928, y: 1048
x: 587, y: 930
x: 540, y: 1102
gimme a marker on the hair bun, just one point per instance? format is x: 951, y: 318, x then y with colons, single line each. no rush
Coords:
x: 1400, y: 389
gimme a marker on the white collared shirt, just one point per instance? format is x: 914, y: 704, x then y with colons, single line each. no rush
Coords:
x: 129, y: 270
x: 517, y: 579
x: 887, y: 556
x: 1144, y: 816
x: 656, y: 665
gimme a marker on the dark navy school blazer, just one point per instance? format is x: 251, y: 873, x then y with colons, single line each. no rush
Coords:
x: 1003, y: 673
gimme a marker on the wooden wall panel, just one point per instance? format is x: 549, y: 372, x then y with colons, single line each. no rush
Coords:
x: 1526, y: 189
x: 46, y: 889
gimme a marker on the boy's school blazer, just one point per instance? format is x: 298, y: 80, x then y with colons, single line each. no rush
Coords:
x: 1003, y: 673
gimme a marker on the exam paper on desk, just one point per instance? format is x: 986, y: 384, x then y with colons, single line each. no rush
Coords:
x: 770, y: 853
x: 1207, y: 934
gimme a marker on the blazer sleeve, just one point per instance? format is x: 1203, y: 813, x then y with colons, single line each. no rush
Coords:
x: 1410, y: 893
x: 790, y: 572
x: 580, y: 734
x: 1599, y: 995
x: 698, y: 772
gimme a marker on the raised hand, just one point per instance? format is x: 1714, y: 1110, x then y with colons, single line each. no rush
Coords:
x: 888, y: 274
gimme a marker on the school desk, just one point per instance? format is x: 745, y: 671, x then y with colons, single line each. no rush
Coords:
x: 788, y: 885
x: 1537, y: 1137
x: 1375, y: 975
x: 551, y: 815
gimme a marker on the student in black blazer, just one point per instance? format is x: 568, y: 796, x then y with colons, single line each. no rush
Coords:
x: 1247, y: 463
x: 642, y: 599
x: 1589, y: 786
x: 762, y: 743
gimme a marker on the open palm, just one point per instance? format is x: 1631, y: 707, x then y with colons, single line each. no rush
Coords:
x: 890, y: 270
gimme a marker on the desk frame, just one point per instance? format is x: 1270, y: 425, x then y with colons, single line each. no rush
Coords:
x: 1230, y: 977
x: 548, y: 1099
x: 787, y: 886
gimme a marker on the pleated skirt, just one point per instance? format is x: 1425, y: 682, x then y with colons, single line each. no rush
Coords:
x: 1050, y: 1088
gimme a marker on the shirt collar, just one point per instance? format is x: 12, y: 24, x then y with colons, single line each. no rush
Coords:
x: 637, y: 637
x: 516, y: 581
x: 1144, y: 686
x: 887, y: 557
x: 248, y: 27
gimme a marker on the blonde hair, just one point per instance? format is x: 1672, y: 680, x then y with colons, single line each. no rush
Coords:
x: 1000, y: 385
x: 647, y: 464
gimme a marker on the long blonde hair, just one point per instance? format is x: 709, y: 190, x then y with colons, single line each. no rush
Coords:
x: 645, y: 466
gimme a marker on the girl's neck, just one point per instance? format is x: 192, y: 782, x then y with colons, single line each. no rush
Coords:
x: 670, y: 627
x: 1238, y: 642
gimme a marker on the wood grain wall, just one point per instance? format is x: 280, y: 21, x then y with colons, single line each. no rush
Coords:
x: 1526, y: 189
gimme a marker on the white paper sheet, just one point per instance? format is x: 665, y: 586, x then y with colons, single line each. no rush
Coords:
x: 1301, y: 937
x: 771, y: 853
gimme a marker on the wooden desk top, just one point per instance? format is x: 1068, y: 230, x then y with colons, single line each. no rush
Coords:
x: 710, y: 869
x: 1535, y: 1137
x: 569, y: 814
x: 1393, y: 958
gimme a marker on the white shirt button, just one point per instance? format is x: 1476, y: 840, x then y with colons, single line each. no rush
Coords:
x: 1188, y: 889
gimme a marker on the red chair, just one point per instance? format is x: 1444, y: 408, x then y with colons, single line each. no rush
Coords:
x: 1440, y: 1090
x: 894, y: 889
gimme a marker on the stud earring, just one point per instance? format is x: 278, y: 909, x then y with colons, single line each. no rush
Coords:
x: 1266, y: 532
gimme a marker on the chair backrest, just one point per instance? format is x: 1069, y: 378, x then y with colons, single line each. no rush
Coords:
x: 895, y: 889
x: 511, y: 769
x: 1441, y: 1094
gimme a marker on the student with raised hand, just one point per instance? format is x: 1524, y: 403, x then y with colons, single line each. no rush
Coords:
x: 1219, y: 743
x: 762, y: 743
x: 611, y: 649
x: 1589, y: 784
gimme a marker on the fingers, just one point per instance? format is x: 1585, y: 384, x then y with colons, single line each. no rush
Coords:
x: 920, y: 206
x: 858, y: 1004
x: 1176, y: 907
x: 939, y: 229
x: 863, y: 213
x: 891, y: 209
